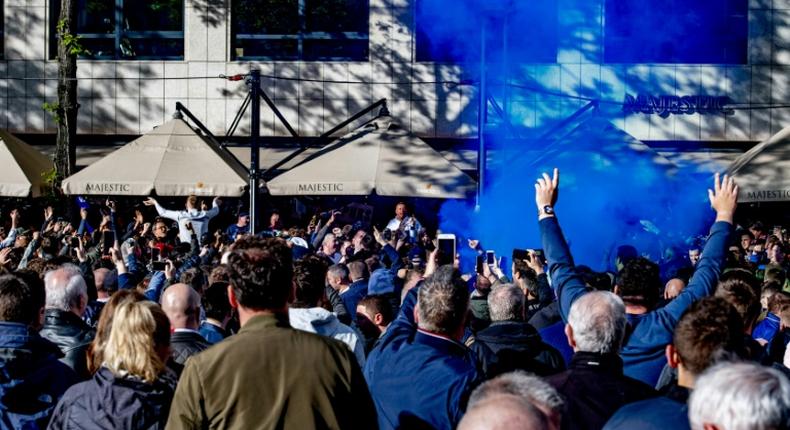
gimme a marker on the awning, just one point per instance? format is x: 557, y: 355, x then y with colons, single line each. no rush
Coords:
x: 763, y: 172
x: 378, y: 157
x: 172, y: 160
x: 22, y: 168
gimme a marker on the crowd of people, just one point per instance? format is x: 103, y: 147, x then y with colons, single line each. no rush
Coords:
x: 173, y: 321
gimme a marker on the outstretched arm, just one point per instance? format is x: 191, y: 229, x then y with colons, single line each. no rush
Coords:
x: 568, y: 284
x: 724, y: 200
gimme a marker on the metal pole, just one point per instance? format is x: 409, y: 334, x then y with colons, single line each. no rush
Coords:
x: 481, y: 118
x: 254, y: 82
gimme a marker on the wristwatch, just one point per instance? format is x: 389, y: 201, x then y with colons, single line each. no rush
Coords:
x: 548, y: 210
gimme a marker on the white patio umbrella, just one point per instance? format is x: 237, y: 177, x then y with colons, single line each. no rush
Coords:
x: 22, y: 168
x: 171, y: 159
x: 378, y: 157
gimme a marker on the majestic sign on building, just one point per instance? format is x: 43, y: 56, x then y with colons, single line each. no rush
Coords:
x: 665, y: 105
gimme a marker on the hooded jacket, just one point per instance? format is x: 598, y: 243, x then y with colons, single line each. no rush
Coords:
x: 110, y: 402
x: 325, y: 323
x: 505, y: 346
x: 32, y: 379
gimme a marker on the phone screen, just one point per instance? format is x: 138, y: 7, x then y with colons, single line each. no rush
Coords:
x: 158, y: 265
x: 489, y: 257
x: 108, y: 240
x: 446, y: 250
x: 75, y: 242
x: 479, y: 266
x: 154, y: 254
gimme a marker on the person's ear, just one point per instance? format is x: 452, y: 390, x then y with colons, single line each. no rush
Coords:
x: 417, y: 313
x: 378, y: 319
x: 673, y: 359
x: 616, y: 290
x: 569, y: 335
x: 234, y: 302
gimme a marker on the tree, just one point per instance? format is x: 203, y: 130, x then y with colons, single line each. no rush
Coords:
x: 65, y: 111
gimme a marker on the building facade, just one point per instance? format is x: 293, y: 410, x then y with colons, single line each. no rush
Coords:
x: 144, y: 56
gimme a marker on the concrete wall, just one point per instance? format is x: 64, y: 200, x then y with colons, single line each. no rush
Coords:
x: 140, y: 97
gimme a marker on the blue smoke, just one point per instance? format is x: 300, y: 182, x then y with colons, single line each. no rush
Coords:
x: 614, y: 190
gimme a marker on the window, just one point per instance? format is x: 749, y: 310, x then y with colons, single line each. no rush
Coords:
x: 310, y: 30
x: 528, y: 27
x: 127, y: 29
x: 676, y: 31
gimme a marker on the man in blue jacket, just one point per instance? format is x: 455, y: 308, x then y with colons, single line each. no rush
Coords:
x: 32, y: 379
x: 650, y: 329
x: 420, y: 375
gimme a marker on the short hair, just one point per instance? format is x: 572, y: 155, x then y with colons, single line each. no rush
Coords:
x: 526, y: 386
x: 17, y: 301
x: 261, y: 272
x: 193, y: 277
x: 527, y: 275
x: 740, y: 396
x: 215, y: 301
x: 377, y: 304
x: 506, y: 303
x: 309, y: 281
x: 137, y: 329
x: 442, y: 302
x: 779, y: 302
x: 338, y: 271
x: 108, y: 278
x: 358, y: 270
x: 328, y: 238
x: 741, y: 289
x: 192, y: 200
x: 501, y: 413
x: 639, y: 283
x: 598, y: 322
x: 775, y: 274
x: 708, y: 331
x: 65, y: 288
x: 220, y: 273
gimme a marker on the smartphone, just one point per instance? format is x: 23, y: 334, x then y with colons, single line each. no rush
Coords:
x: 490, y: 259
x: 108, y: 240
x: 158, y: 265
x: 479, y: 266
x: 446, y: 248
x: 520, y: 254
x: 154, y: 254
x: 75, y: 242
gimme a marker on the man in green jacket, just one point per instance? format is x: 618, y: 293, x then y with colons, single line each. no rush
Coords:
x: 270, y: 375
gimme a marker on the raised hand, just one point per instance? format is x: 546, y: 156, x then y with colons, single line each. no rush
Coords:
x: 546, y: 191
x: 724, y: 197
x: 149, y: 201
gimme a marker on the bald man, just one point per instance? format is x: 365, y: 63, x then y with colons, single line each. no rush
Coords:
x: 181, y: 304
x: 504, y: 412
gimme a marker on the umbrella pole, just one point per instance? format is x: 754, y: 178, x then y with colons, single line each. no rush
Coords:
x: 254, y: 82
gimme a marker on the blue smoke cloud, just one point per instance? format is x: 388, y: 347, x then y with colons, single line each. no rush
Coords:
x: 614, y: 189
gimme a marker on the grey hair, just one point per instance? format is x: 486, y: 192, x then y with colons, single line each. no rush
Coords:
x: 598, y: 322
x: 506, y: 303
x: 521, y: 384
x: 328, y: 238
x: 65, y: 288
x: 442, y: 302
x: 740, y: 396
x: 338, y: 271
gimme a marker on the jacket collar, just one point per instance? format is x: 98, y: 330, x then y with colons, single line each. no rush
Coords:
x: 20, y: 337
x: 605, y: 363
x: 448, y: 346
x: 263, y: 322
x: 62, y: 318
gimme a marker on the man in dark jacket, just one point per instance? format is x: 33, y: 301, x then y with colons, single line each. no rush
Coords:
x: 215, y: 303
x: 358, y: 274
x: 66, y: 301
x: 594, y: 386
x: 639, y: 282
x: 32, y: 378
x: 181, y: 303
x: 510, y: 343
x: 419, y: 374
x: 708, y: 329
x: 269, y: 375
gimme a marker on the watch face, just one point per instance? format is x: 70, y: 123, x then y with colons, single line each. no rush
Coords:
x: 548, y: 209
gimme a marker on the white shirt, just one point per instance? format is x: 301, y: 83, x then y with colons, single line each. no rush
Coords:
x: 199, y: 220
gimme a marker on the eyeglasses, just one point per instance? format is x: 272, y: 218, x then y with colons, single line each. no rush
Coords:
x: 161, y: 227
